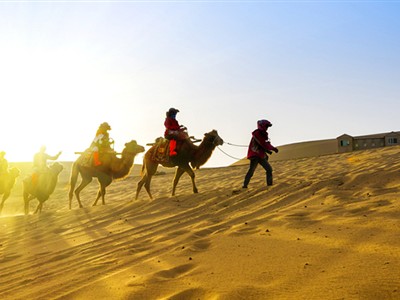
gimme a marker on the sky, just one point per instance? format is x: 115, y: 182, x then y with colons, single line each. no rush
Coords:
x: 314, y: 69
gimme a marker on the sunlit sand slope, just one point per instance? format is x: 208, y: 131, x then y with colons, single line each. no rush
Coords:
x: 328, y: 229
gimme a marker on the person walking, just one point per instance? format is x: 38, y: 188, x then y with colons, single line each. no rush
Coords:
x: 257, y: 152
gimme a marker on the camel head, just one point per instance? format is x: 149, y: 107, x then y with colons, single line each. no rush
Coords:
x: 132, y: 147
x: 213, y: 138
x: 14, y: 172
x: 56, y: 168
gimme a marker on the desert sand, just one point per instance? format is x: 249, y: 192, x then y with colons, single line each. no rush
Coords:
x: 329, y: 228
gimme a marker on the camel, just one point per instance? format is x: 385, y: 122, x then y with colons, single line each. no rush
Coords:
x: 188, y: 153
x: 7, y: 181
x: 112, y: 168
x: 43, y: 188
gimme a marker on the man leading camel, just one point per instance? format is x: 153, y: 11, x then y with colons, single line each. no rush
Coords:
x: 259, y: 146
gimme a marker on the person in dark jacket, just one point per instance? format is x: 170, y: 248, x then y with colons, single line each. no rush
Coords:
x: 258, y: 147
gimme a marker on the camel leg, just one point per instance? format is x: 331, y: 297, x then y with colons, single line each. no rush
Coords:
x: 84, y: 183
x: 72, y: 182
x: 70, y: 197
x: 178, y: 175
x: 39, y: 208
x: 5, y: 196
x: 146, y: 179
x: 103, y: 195
x: 147, y: 185
x: 104, y: 183
x: 151, y: 169
x: 97, y: 197
x: 140, y: 185
x: 192, y: 176
x: 26, y: 202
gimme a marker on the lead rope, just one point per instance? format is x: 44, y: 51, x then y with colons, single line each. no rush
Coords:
x: 235, y: 145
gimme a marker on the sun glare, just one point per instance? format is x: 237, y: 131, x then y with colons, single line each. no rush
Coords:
x: 41, y: 95
x: 58, y: 101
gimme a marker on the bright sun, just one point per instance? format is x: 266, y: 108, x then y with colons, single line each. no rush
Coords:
x: 58, y: 101
x: 57, y: 95
x: 45, y: 98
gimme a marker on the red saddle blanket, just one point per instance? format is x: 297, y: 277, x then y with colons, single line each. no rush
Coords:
x: 160, y: 151
x: 86, y: 159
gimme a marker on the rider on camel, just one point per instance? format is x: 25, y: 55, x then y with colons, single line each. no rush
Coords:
x: 40, y: 163
x: 101, y: 142
x: 3, y: 163
x: 173, y: 131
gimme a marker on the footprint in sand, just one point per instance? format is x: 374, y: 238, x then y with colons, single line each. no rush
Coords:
x: 247, y: 292
x: 163, y: 275
x: 243, y: 229
x: 194, y: 293
x: 197, y: 246
x: 171, y: 273
x: 8, y: 258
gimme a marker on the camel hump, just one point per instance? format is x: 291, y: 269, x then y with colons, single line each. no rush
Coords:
x: 162, y: 142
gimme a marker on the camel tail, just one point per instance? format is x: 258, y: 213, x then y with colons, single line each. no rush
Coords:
x: 143, y: 167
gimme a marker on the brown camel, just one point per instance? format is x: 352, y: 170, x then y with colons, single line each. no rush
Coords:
x: 188, y: 153
x: 7, y: 181
x: 112, y: 168
x: 43, y: 188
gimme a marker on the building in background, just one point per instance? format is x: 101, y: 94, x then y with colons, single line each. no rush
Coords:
x: 348, y: 143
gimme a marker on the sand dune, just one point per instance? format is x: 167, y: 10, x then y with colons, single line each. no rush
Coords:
x: 328, y: 229
x: 300, y: 150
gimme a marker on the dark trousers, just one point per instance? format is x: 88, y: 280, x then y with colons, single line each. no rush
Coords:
x: 253, y: 165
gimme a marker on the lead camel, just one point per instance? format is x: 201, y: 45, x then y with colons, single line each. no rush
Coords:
x: 189, y: 156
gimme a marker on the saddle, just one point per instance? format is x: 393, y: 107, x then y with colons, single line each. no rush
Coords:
x: 87, y: 160
x: 161, y: 150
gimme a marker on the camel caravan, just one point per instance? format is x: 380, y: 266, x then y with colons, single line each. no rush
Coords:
x: 101, y: 161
